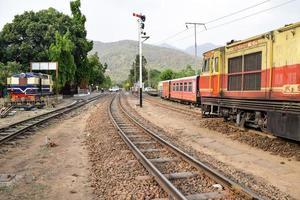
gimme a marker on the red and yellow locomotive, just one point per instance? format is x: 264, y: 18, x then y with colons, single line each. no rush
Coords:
x: 255, y: 82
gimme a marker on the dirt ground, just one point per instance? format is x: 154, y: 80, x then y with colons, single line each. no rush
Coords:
x: 280, y: 172
x: 22, y: 114
x: 58, y: 172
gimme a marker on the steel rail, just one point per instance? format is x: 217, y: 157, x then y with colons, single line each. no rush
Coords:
x: 159, y: 177
x: 37, y: 120
x: 36, y: 117
x: 173, y: 108
x: 215, y: 175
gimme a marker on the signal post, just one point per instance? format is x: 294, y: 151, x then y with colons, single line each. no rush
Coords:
x: 141, y: 35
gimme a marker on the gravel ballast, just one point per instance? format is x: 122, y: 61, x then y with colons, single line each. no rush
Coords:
x: 115, y: 172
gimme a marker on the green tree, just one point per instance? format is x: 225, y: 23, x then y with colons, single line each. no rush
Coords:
x: 167, y: 74
x: 30, y: 35
x: 187, y: 71
x: 154, y: 78
x: 97, y: 70
x: 83, y: 46
x: 126, y: 84
x: 61, y: 52
x: 134, y: 73
x: 7, y: 70
x: 107, y: 82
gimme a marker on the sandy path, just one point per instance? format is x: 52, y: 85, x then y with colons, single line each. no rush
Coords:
x: 281, y: 172
x: 59, y: 172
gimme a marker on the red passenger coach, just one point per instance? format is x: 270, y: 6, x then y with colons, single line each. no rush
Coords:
x: 185, y: 89
x: 165, y: 89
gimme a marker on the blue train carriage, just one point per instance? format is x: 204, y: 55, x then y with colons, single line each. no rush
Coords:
x: 29, y: 89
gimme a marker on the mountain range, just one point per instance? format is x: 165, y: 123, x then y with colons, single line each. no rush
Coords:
x: 120, y: 55
x: 200, y: 49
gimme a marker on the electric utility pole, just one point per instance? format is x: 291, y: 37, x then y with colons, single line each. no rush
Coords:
x: 142, y: 35
x: 195, y: 29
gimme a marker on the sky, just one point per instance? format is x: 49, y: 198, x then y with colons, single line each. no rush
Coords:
x: 112, y: 20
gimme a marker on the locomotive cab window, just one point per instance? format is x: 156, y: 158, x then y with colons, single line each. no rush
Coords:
x: 216, y: 65
x: 206, y: 65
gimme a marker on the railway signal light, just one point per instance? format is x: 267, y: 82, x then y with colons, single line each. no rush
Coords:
x: 142, y: 35
x: 142, y: 17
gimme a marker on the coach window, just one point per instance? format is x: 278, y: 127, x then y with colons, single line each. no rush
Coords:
x: 216, y: 64
x: 190, y: 88
x: 177, y: 86
x: 206, y: 65
x: 181, y: 88
x: 173, y: 88
x: 185, y: 86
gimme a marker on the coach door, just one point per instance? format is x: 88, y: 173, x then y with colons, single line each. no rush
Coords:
x: 215, y: 74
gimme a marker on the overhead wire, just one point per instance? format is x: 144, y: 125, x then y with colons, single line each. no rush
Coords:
x: 253, y: 14
x: 236, y: 12
x: 237, y: 19
x: 214, y: 20
x: 172, y: 36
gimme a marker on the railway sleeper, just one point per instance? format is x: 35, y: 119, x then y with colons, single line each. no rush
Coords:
x: 206, y: 195
x: 162, y: 160
x: 180, y: 175
x: 143, y: 142
x: 150, y: 150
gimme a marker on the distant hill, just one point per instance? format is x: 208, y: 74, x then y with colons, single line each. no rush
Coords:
x: 200, y: 49
x: 168, y: 46
x: 120, y: 55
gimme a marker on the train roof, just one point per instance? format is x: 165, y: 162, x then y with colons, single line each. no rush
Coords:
x: 237, y: 42
x: 281, y: 29
x: 28, y: 75
x: 221, y: 48
x: 183, y: 78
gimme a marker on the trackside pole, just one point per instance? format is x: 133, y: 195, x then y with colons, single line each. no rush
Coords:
x: 141, y: 64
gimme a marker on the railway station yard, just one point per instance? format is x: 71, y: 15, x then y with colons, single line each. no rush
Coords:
x: 82, y: 156
x: 88, y: 110
x: 52, y: 163
x: 246, y: 155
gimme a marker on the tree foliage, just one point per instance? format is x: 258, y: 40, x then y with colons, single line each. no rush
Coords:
x: 61, y: 52
x: 187, y: 71
x: 83, y: 46
x: 107, y: 83
x: 97, y: 70
x: 30, y: 35
x: 134, y: 73
x: 167, y: 74
x: 7, y: 70
x: 154, y: 78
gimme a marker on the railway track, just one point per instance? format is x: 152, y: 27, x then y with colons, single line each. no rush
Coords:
x: 173, y: 108
x: 14, y: 130
x: 179, y: 174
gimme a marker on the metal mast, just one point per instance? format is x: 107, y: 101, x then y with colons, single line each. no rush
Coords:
x: 195, y: 29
